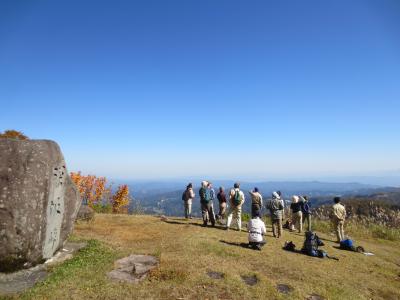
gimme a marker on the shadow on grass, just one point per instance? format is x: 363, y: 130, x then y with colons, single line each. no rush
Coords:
x: 194, y: 224
x: 242, y: 245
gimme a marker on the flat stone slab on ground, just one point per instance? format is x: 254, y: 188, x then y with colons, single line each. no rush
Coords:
x: 215, y: 275
x: 250, y: 280
x: 315, y: 297
x: 284, y: 288
x: 14, y: 283
x: 133, y: 269
x: 17, y: 282
x: 65, y: 253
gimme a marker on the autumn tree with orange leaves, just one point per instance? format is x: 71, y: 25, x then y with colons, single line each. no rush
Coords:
x: 98, y: 195
x: 121, y: 199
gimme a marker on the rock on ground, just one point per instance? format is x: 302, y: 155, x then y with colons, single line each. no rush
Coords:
x: 38, y: 202
x: 133, y: 269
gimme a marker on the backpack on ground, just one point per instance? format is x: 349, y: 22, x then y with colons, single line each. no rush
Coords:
x: 311, y: 244
x: 348, y: 244
x: 289, y: 246
x: 237, y: 199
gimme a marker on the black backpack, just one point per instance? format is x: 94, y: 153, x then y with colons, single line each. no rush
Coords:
x: 311, y: 244
x: 289, y: 246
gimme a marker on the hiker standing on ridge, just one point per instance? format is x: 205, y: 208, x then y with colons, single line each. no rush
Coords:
x: 207, y: 210
x: 275, y: 207
x: 236, y: 198
x: 187, y: 197
x: 338, y: 217
x: 296, y: 213
x: 256, y: 202
x: 279, y: 193
x: 306, y: 210
x: 256, y: 228
x: 222, y: 204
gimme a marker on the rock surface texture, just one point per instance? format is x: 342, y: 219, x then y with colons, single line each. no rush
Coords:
x: 133, y: 269
x: 38, y: 202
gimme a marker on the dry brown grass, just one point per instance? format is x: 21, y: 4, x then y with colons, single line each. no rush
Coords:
x: 187, y: 252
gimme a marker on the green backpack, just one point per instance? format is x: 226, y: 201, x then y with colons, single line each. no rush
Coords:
x: 236, y: 198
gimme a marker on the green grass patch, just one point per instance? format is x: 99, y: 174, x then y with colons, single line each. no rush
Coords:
x: 86, y: 270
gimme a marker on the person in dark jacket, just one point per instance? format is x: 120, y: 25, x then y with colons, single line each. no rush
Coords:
x: 187, y: 198
x: 221, y: 196
x: 306, y: 211
x: 206, y: 194
x: 297, y: 215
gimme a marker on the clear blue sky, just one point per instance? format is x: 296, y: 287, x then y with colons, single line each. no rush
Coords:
x: 229, y: 89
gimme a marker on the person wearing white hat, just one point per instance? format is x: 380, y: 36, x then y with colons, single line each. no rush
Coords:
x: 237, y: 199
x: 275, y: 207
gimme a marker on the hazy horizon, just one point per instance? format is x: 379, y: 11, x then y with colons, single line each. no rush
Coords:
x: 387, y: 179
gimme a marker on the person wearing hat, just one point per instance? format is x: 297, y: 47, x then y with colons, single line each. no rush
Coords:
x: 279, y: 193
x: 256, y: 201
x: 236, y: 197
x: 256, y: 228
x: 275, y: 207
x: 206, y: 201
x: 338, y: 217
x: 297, y: 215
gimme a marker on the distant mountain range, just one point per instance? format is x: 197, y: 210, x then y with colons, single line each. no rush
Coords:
x: 165, y: 197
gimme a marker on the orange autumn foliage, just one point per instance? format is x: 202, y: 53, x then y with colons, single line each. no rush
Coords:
x: 96, y: 193
x: 121, y: 199
x: 13, y: 134
x: 91, y: 188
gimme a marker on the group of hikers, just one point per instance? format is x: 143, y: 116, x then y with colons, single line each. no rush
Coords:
x: 230, y: 207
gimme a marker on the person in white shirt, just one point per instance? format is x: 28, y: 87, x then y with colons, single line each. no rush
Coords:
x: 257, y: 230
x: 236, y: 197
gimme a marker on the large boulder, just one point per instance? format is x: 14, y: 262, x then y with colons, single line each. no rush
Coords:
x: 38, y: 202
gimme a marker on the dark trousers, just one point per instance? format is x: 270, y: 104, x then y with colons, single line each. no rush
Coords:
x: 308, y: 218
x: 207, y: 211
x: 256, y: 245
x: 255, y: 209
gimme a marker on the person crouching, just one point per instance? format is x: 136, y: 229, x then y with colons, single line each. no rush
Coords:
x: 256, y: 228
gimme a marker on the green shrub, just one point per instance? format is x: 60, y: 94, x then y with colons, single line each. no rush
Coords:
x: 102, y: 208
x: 246, y: 217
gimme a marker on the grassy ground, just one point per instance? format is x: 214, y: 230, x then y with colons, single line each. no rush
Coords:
x: 188, y: 251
